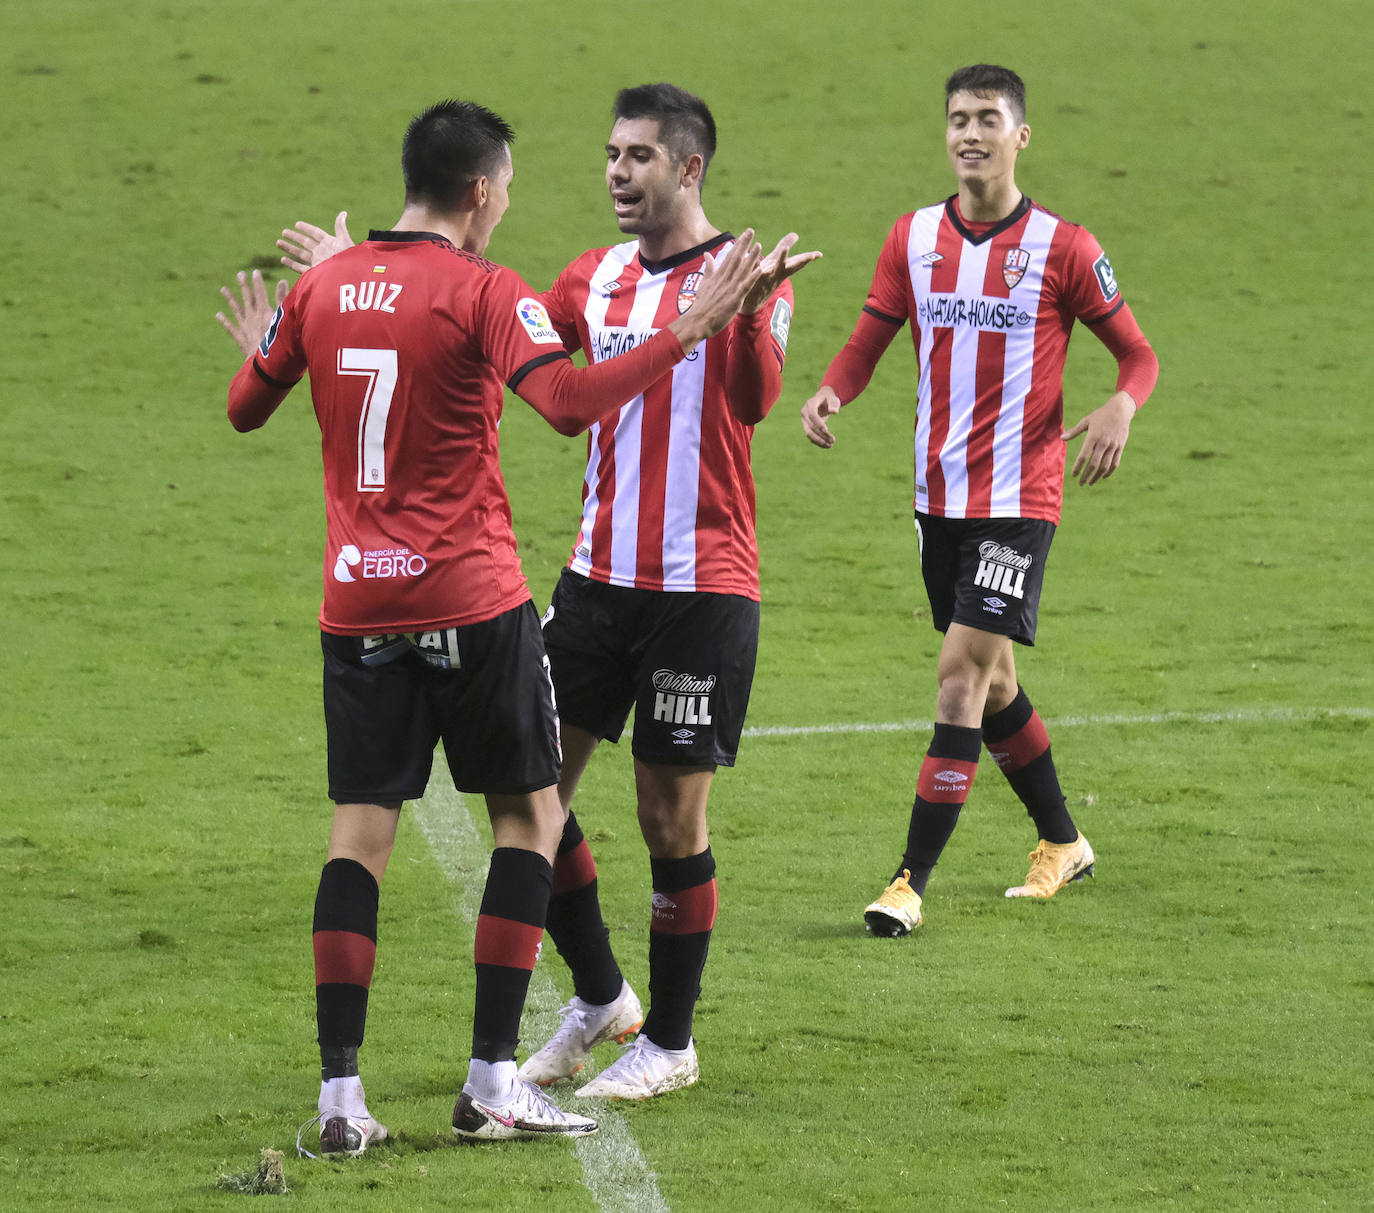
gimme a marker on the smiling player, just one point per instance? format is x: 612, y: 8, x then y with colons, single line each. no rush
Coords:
x: 992, y: 284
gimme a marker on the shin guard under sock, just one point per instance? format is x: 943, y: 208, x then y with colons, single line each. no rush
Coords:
x: 685, y: 901
x: 575, y: 923
x: 510, y: 928
x: 943, y: 785
x: 345, y: 945
x: 1020, y: 745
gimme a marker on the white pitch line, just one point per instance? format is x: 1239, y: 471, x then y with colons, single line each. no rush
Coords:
x: 613, y: 1169
x: 1239, y: 716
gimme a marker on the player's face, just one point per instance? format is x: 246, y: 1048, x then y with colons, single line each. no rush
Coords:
x: 982, y: 137
x: 490, y: 213
x: 646, y: 184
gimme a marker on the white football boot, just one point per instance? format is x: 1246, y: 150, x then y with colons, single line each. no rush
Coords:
x: 585, y: 1025
x: 644, y: 1070
x: 524, y: 1111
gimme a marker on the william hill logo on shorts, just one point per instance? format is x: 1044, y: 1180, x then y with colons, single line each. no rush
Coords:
x: 1002, y: 569
x: 682, y: 698
x: 383, y: 564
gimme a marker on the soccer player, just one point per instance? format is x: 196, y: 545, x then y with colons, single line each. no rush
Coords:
x: 992, y: 284
x: 658, y: 608
x: 427, y: 627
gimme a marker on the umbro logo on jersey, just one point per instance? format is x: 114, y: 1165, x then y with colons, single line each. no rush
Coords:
x: 995, y: 605
x: 683, y: 736
x: 687, y: 292
x: 929, y: 259
x: 1014, y: 265
x: 611, y: 287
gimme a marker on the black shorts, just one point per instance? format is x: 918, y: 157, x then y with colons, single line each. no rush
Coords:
x: 683, y: 661
x: 493, y: 710
x: 985, y: 573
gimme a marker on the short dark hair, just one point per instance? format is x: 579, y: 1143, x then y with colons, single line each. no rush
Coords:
x: 685, y: 125
x: 450, y: 146
x: 989, y: 80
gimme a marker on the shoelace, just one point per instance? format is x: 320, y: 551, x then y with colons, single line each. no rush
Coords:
x: 318, y: 1119
x: 301, y: 1151
x: 574, y: 1018
x: 1042, y: 870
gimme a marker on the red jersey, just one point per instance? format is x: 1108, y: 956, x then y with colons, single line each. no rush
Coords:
x: 991, y: 311
x: 408, y: 341
x: 668, y: 495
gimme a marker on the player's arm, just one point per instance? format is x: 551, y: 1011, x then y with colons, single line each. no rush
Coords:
x: 757, y: 345
x: 1106, y: 429
x: 572, y: 398
x: 883, y: 315
x: 849, y: 373
x: 253, y: 394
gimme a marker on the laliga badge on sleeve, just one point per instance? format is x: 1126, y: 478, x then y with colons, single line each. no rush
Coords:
x: 535, y: 318
x: 781, y: 323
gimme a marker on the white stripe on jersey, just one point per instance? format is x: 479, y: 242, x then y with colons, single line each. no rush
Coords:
x: 684, y: 474
x: 1016, y: 380
x: 597, y: 304
x: 925, y: 226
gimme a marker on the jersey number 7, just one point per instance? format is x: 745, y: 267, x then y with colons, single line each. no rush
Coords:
x: 379, y: 368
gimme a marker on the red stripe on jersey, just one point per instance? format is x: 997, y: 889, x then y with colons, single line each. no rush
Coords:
x: 505, y: 942
x: 343, y: 958
x: 686, y: 912
x: 604, y: 447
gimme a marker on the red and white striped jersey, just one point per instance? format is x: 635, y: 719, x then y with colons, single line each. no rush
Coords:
x: 991, y: 309
x: 668, y: 494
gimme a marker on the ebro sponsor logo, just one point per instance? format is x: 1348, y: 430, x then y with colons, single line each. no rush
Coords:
x: 383, y: 564
x: 682, y: 698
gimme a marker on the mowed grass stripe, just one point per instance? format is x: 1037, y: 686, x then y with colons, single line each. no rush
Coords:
x: 613, y: 1169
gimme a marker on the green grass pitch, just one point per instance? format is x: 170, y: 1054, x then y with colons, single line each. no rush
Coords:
x: 1190, y: 1030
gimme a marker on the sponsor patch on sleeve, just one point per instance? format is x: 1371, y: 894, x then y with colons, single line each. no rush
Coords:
x: 535, y: 318
x: 781, y: 323
x: 1106, y: 278
x: 271, y: 335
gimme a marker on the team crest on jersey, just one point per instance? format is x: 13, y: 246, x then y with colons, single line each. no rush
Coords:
x: 687, y: 292
x: 1015, y: 262
x: 1106, y: 279
x: 537, y: 323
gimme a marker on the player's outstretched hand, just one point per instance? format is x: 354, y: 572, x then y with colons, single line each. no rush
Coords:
x: 775, y: 269
x: 725, y: 283
x: 825, y: 403
x: 251, y: 316
x: 306, y: 245
x: 1106, y: 430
